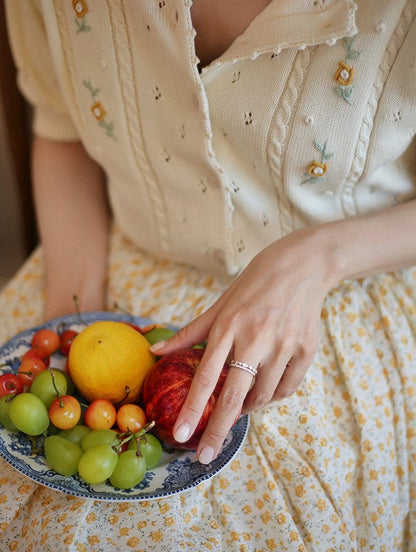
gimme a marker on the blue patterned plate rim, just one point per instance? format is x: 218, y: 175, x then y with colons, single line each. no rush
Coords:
x: 178, y: 472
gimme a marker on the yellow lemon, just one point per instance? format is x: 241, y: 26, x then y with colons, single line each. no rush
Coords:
x: 109, y: 360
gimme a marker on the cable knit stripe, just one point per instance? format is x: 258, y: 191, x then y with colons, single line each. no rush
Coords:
x: 122, y: 49
x: 279, y: 134
x: 358, y: 165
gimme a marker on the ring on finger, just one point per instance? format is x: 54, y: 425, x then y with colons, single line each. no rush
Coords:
x: 244, y: 366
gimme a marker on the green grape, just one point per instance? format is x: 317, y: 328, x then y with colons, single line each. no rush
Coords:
x: 43, y: 385
x: 98, y: 437
x: 75, y: 434
x: 28, y: 413
x: 158, y: 334
x: 62, y: 455
x: 150, y: 448
x: 5, y: 420
x: 97, y: 464
x: 129, y: 471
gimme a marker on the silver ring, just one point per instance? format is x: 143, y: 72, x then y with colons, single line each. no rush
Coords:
x: 243, y: 366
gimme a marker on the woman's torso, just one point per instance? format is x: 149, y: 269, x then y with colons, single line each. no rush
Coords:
x: 300, y: 120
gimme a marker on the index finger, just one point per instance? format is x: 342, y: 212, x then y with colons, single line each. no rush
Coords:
x: 202, y: 386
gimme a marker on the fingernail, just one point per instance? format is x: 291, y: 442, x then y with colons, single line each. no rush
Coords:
x: 183, y: 433
x: 157, y: 346
x: 206, y: 455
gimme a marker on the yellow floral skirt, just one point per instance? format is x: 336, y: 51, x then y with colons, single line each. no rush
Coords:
x: 330, y: 469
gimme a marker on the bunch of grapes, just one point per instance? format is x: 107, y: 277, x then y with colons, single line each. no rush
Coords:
x: 97, y: 441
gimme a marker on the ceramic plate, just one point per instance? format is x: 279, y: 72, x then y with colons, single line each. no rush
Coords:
x: 177, y: 472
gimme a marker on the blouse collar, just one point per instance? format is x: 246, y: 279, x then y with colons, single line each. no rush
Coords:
x: 292, y: 23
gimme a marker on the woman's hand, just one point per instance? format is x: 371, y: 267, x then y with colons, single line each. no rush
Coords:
x: 268, y: 318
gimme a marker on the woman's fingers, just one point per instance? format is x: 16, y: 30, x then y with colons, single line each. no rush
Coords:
x: 203, y: 384
x: 267, y: 318
x: 194, y: 332
x: 224, y: 415
x: 237, y: 384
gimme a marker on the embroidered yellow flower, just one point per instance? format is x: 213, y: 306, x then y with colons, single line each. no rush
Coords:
x: 80, y: 7
x: 317, y: 169
x: 98, y: 111
x: 345, y: 74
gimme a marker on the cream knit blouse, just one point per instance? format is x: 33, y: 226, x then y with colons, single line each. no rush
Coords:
x: 304, y: 119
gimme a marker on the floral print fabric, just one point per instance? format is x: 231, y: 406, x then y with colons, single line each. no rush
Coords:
x: 328, y: 469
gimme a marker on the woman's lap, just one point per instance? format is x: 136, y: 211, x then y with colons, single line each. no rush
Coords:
x: 327, y: 469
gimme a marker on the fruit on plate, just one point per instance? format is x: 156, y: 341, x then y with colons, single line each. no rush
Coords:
x: 28, y: 413
x: 100, y: 414
x: 48, y: 384
x: 62, y: 455
x: 65, y: 412
x: 158, y: 333
x: 10, y: 384
x: 109, y: 360
x: 165, y: 389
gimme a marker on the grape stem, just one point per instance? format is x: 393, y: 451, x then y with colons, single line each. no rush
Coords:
x: 128, y: 436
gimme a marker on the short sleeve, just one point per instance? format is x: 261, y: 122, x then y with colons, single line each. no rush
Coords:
x: 36, y: 75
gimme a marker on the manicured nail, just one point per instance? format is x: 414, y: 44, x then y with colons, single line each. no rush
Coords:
x: 183, y: 433
x: 157, y: 346
x: 206, y: 455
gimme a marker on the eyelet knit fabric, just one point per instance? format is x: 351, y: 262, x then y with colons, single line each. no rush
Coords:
x: 308, y: 117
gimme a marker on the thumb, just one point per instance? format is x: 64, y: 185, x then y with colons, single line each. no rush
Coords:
x: 191, y: 334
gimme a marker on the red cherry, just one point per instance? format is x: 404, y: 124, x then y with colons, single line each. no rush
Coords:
x: 37, y: 353
x: 10, y: 384
x: 100, y: 414
x: 29, y: 368
x: 47, y: 341
x: 134, y: 326
x: 67, y: 337
x: 65, y: 412
x: 131, y: 417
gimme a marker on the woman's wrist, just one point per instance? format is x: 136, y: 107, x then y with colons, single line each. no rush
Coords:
x: 369, y: 244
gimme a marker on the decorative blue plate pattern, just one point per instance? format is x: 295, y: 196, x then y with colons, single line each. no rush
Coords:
x: 178, y: 471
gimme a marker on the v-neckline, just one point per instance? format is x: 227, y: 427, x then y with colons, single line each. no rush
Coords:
x: 203, y: 64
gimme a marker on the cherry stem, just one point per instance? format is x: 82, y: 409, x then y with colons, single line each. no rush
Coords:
x: 127, y: 391
x: 64, y: 342
x: 118, y: 307
x: 61, y: 327
x: 10, y: 397
x: 61, y: 402
x: 76, y: 302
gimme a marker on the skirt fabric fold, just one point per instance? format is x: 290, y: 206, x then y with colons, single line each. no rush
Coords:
x: 330, y: 469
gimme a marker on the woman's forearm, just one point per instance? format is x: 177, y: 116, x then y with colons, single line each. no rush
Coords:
x: 370, y: 244
x: 73, y: 220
